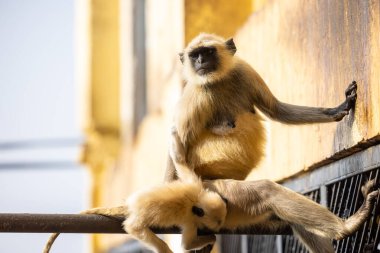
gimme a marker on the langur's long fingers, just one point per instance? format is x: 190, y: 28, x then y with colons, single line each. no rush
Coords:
x: 352, y: 87
x: 340, y: 115
x: 368, y: 187
x: 352, y: 98
x: 372, y: 196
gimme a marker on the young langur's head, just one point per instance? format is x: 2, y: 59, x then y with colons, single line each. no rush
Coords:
x: 210, y: 210
x: 207, y: 58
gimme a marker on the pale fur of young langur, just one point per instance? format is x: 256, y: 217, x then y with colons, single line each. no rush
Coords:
x: 222, y: 134
x: 186, y: 205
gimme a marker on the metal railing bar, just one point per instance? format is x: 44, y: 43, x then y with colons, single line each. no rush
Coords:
x: 90, y: 223
x: 38, y: 164
x: 41, y: 143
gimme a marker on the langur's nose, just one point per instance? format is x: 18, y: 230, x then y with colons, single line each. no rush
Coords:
x: 200, y: 58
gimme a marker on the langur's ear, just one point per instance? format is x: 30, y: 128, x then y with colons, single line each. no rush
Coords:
x: 181, y: 57
x: 230, y: 45
x: 198, y: 211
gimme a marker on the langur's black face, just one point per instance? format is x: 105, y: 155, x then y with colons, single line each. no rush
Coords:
x: 204, y: 60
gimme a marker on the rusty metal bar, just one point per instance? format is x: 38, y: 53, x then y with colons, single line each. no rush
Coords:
x: 88, y: 223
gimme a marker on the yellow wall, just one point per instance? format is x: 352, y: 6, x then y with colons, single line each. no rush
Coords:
x: 222, y: 17
x: 308, y: 52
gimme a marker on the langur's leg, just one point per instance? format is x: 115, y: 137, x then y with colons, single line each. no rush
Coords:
x: 297, y: 209
x: 313, y: 242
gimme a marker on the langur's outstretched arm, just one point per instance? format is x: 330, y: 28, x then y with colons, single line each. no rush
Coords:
x: 316, y: 243
x: 295, y: 114
x: 292, y: 208
x: 297, y: 209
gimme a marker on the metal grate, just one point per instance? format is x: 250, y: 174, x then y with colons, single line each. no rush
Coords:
x: 231, y: 243
x: 262, y: 243
x: 289, y: 242
x: 343, y: 197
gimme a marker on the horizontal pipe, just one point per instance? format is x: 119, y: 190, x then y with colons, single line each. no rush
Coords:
x: 88, y: 223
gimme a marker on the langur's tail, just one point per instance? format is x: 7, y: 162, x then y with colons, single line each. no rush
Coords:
x: 50, y: 242
x: 116, y: 212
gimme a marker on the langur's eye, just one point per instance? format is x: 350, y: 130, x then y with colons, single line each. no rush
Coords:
x: 193, y: 56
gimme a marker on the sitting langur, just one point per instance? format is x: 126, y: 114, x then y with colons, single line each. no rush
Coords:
x: 185, y: 205
x: 216, y: 121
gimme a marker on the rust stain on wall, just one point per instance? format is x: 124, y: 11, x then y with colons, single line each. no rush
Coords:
x: 308, y: 52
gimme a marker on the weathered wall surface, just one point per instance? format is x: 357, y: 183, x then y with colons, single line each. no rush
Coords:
x: 216, y: 16
x: 308, y: 52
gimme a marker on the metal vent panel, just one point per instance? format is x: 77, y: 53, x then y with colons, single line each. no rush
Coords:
x: 343, y: 197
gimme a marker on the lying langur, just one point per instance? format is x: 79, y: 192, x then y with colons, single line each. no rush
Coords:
x: 185, y: 205
x: 272, y: 206
x: 216, y: 118
x: 260, y: 203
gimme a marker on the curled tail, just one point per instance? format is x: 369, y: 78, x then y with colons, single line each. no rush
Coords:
x: 50, y: 242
x: 116, y: 212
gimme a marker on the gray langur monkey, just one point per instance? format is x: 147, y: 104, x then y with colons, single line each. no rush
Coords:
x: 216, y: 117
x: 185, y: 205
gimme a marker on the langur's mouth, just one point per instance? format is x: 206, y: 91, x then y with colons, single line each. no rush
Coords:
x: 205, y: 70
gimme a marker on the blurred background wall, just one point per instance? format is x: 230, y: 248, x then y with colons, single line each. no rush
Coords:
x: 102, y: 77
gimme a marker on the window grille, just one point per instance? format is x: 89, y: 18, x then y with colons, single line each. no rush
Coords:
x: 343, y: 197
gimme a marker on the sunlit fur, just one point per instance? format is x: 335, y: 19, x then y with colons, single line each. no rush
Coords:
x: 214, y: 156
x: 204, y: 40
x: 166, y: 206
x: 233, y: 92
